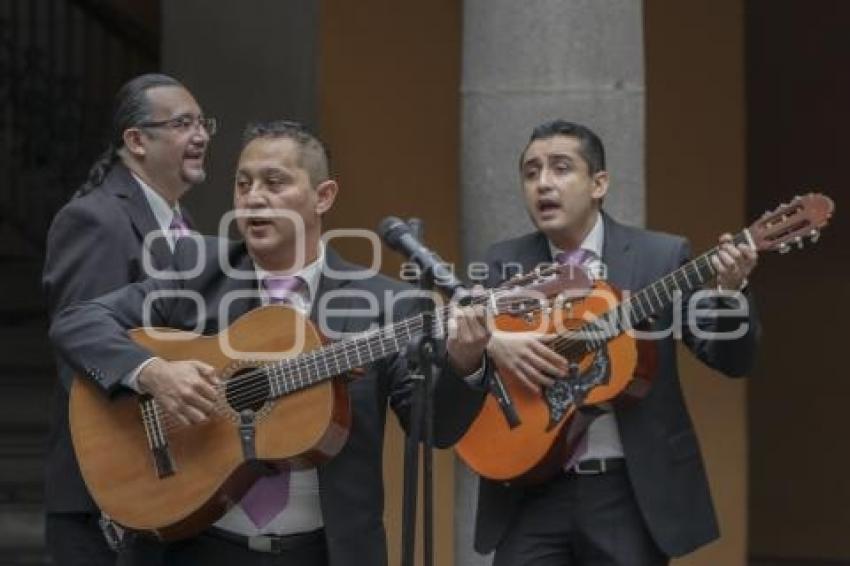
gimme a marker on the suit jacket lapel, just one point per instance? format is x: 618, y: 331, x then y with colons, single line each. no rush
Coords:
x: 249, y: 286
x: 187, y: 217
x: 537, y: 252
x: 328, y: 284
x: 618, y: 255
x: 122, y: 185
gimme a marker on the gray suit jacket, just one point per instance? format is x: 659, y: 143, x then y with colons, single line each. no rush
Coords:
x: 662, y: 453
x: 92, y: 336
x: 95, y: 245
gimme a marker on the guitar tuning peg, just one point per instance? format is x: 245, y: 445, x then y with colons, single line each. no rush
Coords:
x: 799, y: 241
x: 814, y: 236
x: 784, y: 248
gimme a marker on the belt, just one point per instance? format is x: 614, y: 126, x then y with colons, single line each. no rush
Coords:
x: 596, y: 466
x: 273, y: 544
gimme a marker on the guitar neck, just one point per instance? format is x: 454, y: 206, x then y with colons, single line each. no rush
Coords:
x: 646, y: 303
x: 656, y: 297
x: 293, y: 374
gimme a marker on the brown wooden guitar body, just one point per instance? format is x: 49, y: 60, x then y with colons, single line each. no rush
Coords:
x: 210, y: 469
x: 533, y: 451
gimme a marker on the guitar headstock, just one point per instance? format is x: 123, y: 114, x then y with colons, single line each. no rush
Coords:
x: 525, y: 293
x: 792, y: 222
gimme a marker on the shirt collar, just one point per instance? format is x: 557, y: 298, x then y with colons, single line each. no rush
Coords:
x: 311, y: 273
x: 162, y: 211
x: 593, y: 242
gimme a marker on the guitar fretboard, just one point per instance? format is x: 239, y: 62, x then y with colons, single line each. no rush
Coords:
x: 293, y: 374
x: 643, y: 305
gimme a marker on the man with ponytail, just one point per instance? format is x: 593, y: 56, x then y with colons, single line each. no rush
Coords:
x: 96, y: 244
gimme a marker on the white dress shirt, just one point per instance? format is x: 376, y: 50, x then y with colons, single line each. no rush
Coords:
x: 303, y: 511
x: 164, y: 215
x: 603, y: 437
x: 162, y: 211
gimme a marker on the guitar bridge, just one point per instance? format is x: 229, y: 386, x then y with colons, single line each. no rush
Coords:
x: 157, y: 439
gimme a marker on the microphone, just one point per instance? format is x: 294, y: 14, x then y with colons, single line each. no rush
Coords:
x: 404, y: 238
x: 398, y: 235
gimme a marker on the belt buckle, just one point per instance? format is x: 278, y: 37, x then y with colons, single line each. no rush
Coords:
x: 601, y: 469
x: 264, y: 543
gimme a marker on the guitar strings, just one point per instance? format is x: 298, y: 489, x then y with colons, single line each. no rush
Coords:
x: 296, y: 373
x: 299, y: 371
x: 570, y: 344
x: 255, y: 385
x: 246, y: 388
x: 388, y: 331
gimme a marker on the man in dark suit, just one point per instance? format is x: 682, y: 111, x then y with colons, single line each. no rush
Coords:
x: 331, y: 514
x: 635, y: 491
x: 96, y: 244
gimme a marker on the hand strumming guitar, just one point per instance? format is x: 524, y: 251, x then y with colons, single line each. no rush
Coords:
x: 185, y: 389
x: 526, y: 355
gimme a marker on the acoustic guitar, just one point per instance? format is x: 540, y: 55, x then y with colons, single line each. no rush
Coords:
x: 149, y: 473
x: 608, y: 363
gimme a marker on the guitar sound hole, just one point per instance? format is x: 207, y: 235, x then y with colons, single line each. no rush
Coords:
x: 247, y: 389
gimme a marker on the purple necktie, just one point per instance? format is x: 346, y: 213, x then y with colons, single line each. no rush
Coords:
x: 282, y: 289
x: 270, y: 494
x: 577, y: 257
x: 178, y: 227
x: 266, y: 498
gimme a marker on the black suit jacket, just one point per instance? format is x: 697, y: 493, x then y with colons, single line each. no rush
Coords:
x: 95, y: 245
x: 662, y: 453
x: 93, y: 337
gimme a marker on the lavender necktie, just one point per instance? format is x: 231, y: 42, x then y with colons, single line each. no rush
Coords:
x: 178, y: 226
x: 282, y: 289
x: 270, y: 494
x: 577, y: 257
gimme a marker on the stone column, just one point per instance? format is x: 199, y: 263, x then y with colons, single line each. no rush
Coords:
x: 525, y: 63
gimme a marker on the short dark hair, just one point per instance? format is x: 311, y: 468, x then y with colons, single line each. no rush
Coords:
x: 590, y: 146
x: 312, y: 155
x: 131, y: 107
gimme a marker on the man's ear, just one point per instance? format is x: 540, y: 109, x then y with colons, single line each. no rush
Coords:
x: 326, y: 192
x: 133, y: 142
x: 600, y: 185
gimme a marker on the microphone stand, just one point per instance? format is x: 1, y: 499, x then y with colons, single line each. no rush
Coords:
x: 422, y: 366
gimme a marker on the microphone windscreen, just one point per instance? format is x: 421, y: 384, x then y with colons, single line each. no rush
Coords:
x: 391, y: 229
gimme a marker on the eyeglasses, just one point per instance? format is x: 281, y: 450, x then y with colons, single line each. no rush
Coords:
x: 184, y: 123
